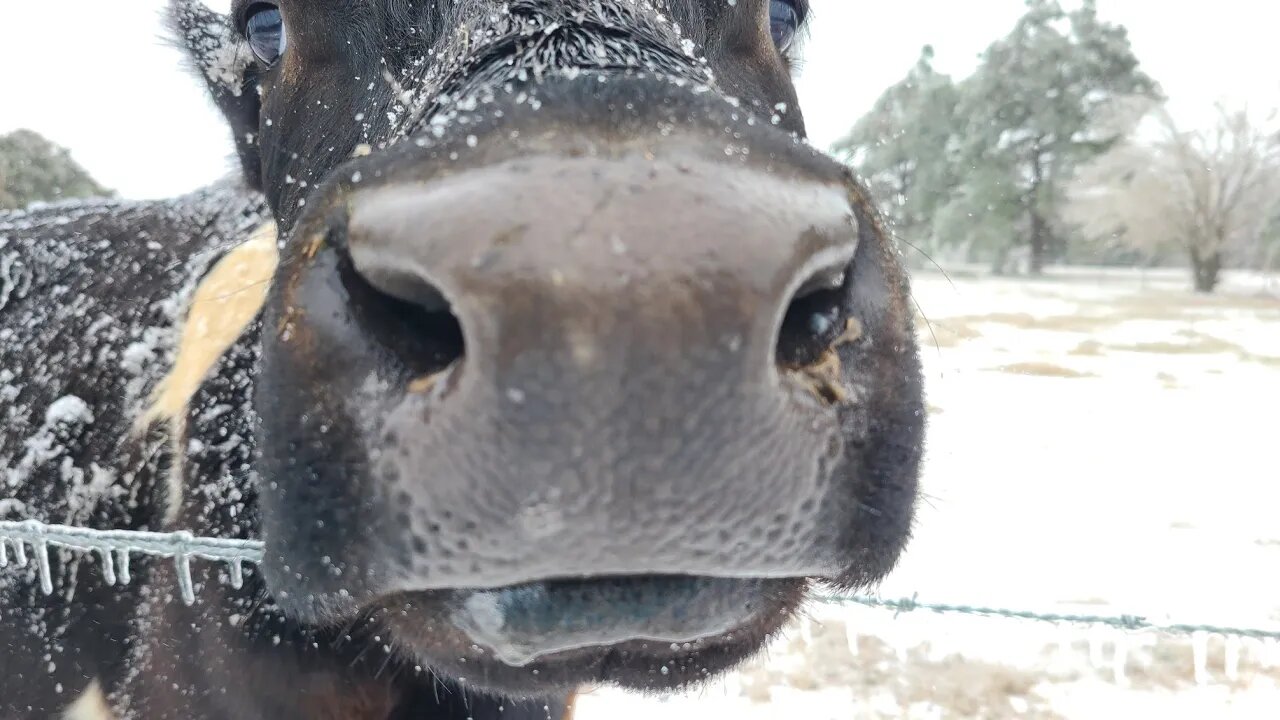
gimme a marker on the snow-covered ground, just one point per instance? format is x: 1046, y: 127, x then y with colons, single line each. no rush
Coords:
x: 1101, y: 442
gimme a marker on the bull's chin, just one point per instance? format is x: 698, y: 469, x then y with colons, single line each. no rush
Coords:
x: 653, y: 633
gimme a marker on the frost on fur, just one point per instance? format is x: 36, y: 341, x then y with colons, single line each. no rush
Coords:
x: 212, y: 45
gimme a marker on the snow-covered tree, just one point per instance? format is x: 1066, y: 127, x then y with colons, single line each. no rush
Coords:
x: 33, y: 169
x: 1214, y: 193
x: 1030, y: 115
x: 903, y: 148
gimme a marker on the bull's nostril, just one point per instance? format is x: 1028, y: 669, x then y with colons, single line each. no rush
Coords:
x: 815, y: 320
x: 422, y: 335
x: 809, y: 329
x: 815, y: 324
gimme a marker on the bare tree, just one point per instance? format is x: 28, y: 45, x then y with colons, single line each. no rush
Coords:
x: 1211, y: 193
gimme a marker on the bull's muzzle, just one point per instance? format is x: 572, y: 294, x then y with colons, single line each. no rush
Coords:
x: 619, y: 408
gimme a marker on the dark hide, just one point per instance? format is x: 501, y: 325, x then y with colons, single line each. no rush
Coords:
x: 89, y: 296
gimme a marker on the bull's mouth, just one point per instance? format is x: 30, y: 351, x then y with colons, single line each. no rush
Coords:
x: 522, y: 624
x: 650, y: 632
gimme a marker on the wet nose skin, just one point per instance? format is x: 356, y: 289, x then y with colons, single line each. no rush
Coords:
x: 564, y: 262
x: 618, y: 409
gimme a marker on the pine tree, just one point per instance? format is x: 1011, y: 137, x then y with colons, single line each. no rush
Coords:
x: 33, y: 169
x: 1028, y: 113
x: 903, y: 148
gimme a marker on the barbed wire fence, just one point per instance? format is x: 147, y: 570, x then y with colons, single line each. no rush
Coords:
x: 115, y: 547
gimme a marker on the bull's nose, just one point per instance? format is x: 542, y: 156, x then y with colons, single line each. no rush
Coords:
x: 576, y: 263
x: 620, y: 407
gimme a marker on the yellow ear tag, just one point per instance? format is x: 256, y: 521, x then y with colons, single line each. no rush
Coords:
x: 92, y: 705
x: 222, y: 307
x: 224, y: 304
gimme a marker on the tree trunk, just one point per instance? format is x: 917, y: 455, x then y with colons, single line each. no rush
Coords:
x: 1205, y: 270
x: 1269, y: 265
x: 1039, y: 242
x: 1001, y: 260
x: 1039, y: 230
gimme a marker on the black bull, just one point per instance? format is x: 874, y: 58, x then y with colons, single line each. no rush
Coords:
x: 552, y: 357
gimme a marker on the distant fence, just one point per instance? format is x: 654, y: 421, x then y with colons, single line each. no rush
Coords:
x: 114, y: 547
x: 1122, y: 622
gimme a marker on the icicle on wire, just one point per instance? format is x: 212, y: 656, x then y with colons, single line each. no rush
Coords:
x: 115, y: 546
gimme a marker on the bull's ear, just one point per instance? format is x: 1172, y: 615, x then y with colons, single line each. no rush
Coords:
x: 223, y: 60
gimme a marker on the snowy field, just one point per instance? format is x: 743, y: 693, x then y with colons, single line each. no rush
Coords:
x: 1101, y: 442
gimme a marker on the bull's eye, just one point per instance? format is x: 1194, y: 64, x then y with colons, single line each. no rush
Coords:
x: 264, y: 28
x: 784, y: 20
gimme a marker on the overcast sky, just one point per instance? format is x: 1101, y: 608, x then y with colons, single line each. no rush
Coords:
x: 96, y: 76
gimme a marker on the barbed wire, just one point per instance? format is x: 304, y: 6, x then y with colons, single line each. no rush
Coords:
x: 115, y: 546
x: 1132, y: 623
